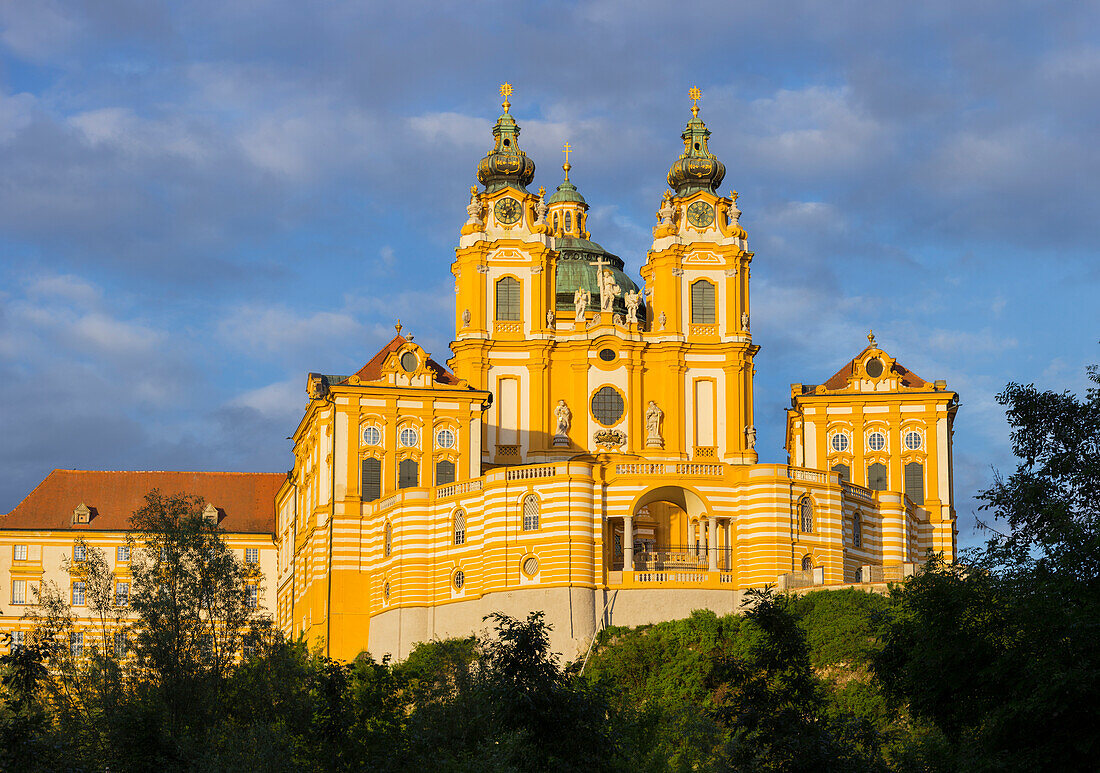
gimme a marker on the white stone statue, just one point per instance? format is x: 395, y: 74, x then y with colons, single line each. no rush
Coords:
x: 750, y: 437
x: 633, y: 299
x: 581, y: 299
x: 550, y: 318
x: 474, y: 208
x: 662, y: 320
x: 745, y: 321
x: 565, y: 420
x: 541, y: 208
x: 653, y: 416
x: 466, y: 318
x: 609, y: 290
x: 666, y: 209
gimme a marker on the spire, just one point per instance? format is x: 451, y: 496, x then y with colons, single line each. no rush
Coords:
x: 567, y: 191
x: 697, y: 169
x: 505, y: 165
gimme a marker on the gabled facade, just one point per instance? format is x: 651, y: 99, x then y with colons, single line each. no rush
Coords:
x: 603, y: 466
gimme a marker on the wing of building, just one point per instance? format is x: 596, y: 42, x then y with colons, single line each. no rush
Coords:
x: 41, y: 530
x: 591, y: 450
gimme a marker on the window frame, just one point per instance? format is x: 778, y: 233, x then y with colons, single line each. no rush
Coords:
x: 806, y: 505
x: 857, y: 529
x: 458, y: 527
x: 16, y: 550
x: 453, y: 471
x: 700, y: 314
x: 403, y: 466
x: 122, y: 598
x: 531, y: 522
x: 376, y: 486
x: 77, y: 586
x: 512, y: 302
x: 21, y: 598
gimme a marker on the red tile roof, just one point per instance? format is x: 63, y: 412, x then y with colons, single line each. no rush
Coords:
x: 246, y: 500
x: 908, y: 378
x: 372, y: 371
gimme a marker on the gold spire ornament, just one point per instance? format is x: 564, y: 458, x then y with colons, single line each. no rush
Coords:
x: 871, y: 337
x: 567, y: 166
x: 397, y: 327
x: 694, y: 94
x: 506, y: 91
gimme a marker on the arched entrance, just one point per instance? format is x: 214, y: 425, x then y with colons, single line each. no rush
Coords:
x: 669, y: 528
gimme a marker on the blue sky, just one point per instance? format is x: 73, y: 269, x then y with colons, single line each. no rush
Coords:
x: 202, y: 201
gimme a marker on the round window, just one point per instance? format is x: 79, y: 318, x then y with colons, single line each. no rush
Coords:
x: 874, y: 367
x: 607, y: 355
x: 409, y: 362
x: 371, y: 436
x: 607, y: 406
x: 840, y: 442
x: 408, y: 437
x: 876, y: 441
x: 460, y: 579
x: 530, y: 566
x: 913, y: 440
x: 445, y: 438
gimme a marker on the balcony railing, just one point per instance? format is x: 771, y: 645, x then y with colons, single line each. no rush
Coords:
x: 676, y: 558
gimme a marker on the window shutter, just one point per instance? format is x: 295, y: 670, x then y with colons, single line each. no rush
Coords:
x: 876, y: 477
x: 702, y: 303
x: 914, y: 482
x: 508, y: 299
x: 372, y: 479
x: 407, y: 473
x: 845, y: 472
x: 444, y: 472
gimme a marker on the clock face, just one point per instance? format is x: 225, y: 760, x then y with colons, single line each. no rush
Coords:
x: 700, y: 214
x: 507, y: 211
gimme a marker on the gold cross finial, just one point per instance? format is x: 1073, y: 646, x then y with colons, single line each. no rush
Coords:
x: 506, y: 91
x: 567, y: 166
x: 694, y: 94
x: 871, y: 337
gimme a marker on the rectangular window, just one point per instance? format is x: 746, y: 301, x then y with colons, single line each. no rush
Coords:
x: 252, y: 555
x: 444, y: 472
x: 253, y: 596
x: 76, y: 644
x: 372, y: 479
x: 122, y: 594
x: 876, y: 477
x: 122, y: 554
x: 19, y: 552
x: 914, y: 482
x: 79, y: 552
x: 408, y: 473
x: 508, y: 299
x: 18, y: 639
x: 78, y: 594
x: 702, y: 303
x: 19, y: 592
x: 122, y: 647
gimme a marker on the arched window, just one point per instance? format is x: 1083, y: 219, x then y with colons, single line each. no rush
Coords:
x: 806, y: 515
x: 914, y: 482
x: 460, y: 527
x: 876, y: 477
x: 807, y: 563
x: 845, y: 472
x: 555, y: 222
x: 444, y: 472
x: 408, y: 473
x: 508, y: 298
x: 568, y: 221
x: 530, y: 513
x: 387, y: 539
x: 371, y: 479
x: 857, y: 530
x: 702, y: 303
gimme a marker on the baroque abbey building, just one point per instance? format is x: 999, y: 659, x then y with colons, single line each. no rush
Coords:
x: 590, y: 450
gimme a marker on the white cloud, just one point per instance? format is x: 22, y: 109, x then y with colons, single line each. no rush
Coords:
x: 279, y: 400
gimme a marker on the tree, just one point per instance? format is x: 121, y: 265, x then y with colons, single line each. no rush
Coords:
x: 1002, y: 652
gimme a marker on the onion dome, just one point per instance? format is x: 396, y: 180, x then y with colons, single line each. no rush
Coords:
x: 697, y: 169
x: 579, y: 265
x: 505, y: 165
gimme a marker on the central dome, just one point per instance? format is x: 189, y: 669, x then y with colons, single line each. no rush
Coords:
x: 577, y: 267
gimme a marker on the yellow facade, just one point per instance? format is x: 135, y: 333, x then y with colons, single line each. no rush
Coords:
x: 602, y: 439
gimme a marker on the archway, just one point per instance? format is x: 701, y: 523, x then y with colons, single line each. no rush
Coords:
x: 670, y: 528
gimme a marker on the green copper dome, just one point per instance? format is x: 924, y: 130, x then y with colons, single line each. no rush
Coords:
x: 505, y: 165
x: 577, y: 267
x: 697, y: 169
x: 567, y: 191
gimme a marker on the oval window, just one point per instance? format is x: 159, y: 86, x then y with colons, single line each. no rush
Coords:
x: 874, y: 367
x: 460, y: 579
x: 913, y: 441
x: 876, y: 441
x: 607, y: 406
x: 530, y: 566
x: 409, y: 362
x: 445, y: 438
x: 408, y: 437
x: 840, y: 442
x: 607, y: 355
x: 371, y: 436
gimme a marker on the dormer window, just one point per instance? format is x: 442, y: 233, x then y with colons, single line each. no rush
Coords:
x: 82, y: 513
x: 873, y: 367
x: 409, y: 362
x: 210, y: 514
